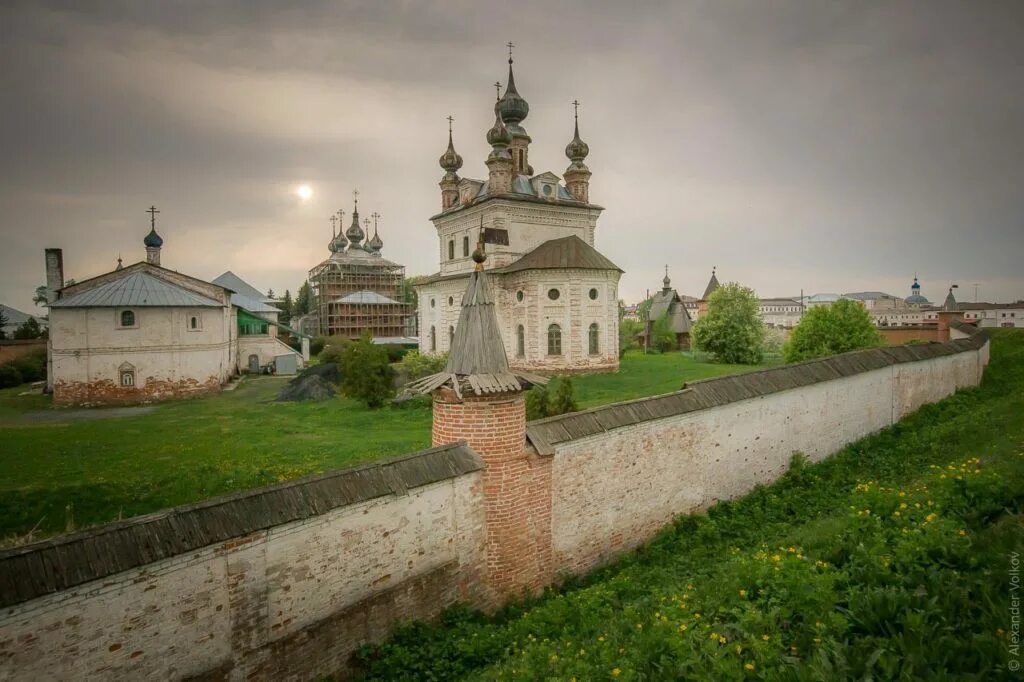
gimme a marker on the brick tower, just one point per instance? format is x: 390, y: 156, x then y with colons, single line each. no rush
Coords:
x: 479, y: 399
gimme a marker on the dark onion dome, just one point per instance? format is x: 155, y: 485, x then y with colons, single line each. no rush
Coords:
x: 498, y: 135
x: 577, y: 150
x: 375, y: 244
x: 152, y: 239
x: 450, y: 160
x: 511, y: 106
x: 355, y: 233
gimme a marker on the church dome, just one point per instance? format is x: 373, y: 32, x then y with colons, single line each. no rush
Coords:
x: 153, y: 240
x: 450, y: 160
x: 577, y: 150
x: 375, y: 244
x: 498, y: 135
x: 512, y: 107
x: 354, y: 233
x: 917, y: 299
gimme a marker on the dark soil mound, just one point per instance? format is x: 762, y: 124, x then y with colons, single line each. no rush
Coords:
x: 329, y: 372
x: 307, y: 387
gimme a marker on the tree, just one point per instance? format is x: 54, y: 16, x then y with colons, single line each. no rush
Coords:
x: 365, y: 372
x: 829, y: 329
x: 731, y: 329
x: 39, y: 297
x: 565, y: 400
x: 28, y: 330
x: 409, y: 290
x: 643, y: 309
x: 286, y: 308
x: 538, y: 402
x: 270, y: 293
x: 663, y: 338
x: 3, y: 323
x: 303, y: 300
x: 628, y: 329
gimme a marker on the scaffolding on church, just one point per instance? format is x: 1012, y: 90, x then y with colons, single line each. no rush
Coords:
x: 354, y: 292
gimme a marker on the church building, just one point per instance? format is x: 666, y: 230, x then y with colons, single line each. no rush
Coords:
x: 555, y: 295
x: 143, y: 332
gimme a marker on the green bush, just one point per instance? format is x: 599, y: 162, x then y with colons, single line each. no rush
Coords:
x: 564, y: 401
x: 416, y: 365
x: 316, y: 345
x: 31, y: 366
x: 366, y: 374
x: 395, y: 351
x: 538, y: 402
x: 628, y: 329
x: 829, y: 329
x: 10, y: 376
x: 333, y: 349
x: 663, y: 339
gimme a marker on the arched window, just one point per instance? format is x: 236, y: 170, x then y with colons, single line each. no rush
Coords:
x: 554, y: 340
x: 126, y: 374
x: 592, y: 337
x: 433, y: 338
x: 193, y: 323
x: 451, y: 336
x: 451, y: 249
x: 127, y: 318
x: 520, y: 341
x: 465, y: 246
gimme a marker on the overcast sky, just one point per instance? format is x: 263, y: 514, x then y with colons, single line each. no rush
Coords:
x: 828, y: 146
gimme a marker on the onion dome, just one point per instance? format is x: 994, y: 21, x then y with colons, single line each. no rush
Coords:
x: 577, y: 150
x: 354, y: 233
x: 450, y: 161
x: 512, y: 107
x: 153, y: 240
x: 498, y: 135
x: 915, y: 295
x: 375, y: 244
x: 665, y: 281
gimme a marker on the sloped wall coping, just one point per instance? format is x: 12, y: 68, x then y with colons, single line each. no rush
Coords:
x: 545, y: 434
x: 65, y: 561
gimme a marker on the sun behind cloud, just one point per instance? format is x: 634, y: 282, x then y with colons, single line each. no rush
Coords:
x: 304, y: 192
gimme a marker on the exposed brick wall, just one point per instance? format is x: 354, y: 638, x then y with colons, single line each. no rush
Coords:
x: 517, y: 488
x: 106, y: 392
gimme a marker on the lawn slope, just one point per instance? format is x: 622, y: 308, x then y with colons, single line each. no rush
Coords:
x: 888, y: 560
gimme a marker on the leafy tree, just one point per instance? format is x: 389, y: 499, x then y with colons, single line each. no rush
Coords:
x: 303, y: 300
x: 287, y: 304
x: 731, y: 329
x: 415, y: 365
x: 409, y: 290
x: 663, y: 338
x: 332, y: 349
x: 39, y: 297
x: 270, y: 293
x: 644, y: 309
x: 829, y: 329
x: 365, y: 372
x: 3, y: 323
x: 628, y: 329
x: 565, y: 400
x: 28, y: 330
x: 538, y: 403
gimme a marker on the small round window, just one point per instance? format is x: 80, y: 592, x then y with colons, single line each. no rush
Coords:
x: 431, y: 303
x: 520, y: 296
x: 553, y: 294
x: 593, y: 294
x: 547, y: 190
x: 451, y: 300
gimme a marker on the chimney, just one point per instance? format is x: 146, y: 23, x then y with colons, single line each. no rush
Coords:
x: 54, y: 273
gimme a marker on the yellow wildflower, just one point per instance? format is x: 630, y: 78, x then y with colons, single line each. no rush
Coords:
x: 616, y: 672
x: 748, y: 666
x: 743, y: 594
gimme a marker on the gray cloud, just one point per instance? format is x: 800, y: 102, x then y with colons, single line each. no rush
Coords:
x: 831, y: 146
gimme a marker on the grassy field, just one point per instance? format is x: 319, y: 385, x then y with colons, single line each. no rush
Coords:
x: 889, y: 560
x: 64, y: 473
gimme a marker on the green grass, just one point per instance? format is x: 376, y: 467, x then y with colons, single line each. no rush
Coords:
x: 642, y: 375
x: 55, y: 476
x: 889, y: 560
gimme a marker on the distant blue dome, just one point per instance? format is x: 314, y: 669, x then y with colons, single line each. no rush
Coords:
x: 153, y: 239
x: 916, y: 298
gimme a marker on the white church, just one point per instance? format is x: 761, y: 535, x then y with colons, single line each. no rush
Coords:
x: 556, y: 295
x: 143, y: 332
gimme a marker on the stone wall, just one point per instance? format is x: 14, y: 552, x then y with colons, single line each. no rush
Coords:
x: 278, y: 583
x: 621, y: 472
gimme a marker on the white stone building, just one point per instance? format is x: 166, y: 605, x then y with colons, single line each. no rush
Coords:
x: 556, y: 295
x: 143, y: 332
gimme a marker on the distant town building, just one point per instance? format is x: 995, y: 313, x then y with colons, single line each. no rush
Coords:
x: 668, y: 303
x: 356, y: 290
x: 555, y: 295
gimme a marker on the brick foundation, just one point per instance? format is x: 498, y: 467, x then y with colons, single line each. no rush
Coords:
x: 106, y: 392
x: 517, y: 488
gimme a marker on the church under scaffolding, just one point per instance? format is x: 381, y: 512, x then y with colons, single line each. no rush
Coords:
x: 357, y: 290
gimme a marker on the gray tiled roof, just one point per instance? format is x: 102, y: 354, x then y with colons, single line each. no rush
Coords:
x: 366, y: 297
x: 566, y: 252
x: 137, y: 289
